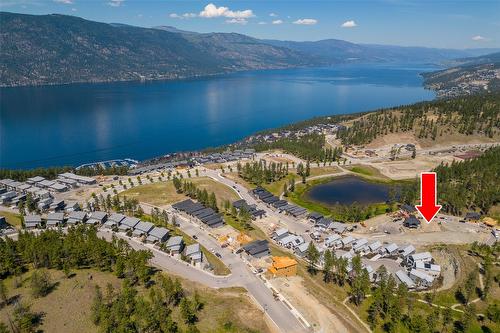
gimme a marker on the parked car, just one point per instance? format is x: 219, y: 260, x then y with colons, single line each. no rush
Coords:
x: 218, y: 255
x: 195, y: 237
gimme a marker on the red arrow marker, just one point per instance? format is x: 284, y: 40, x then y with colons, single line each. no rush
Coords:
x: 428, y: 196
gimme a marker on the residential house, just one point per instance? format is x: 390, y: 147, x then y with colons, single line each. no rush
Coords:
x: 279, y: 234
x: 128, y: 223
x: 194, y: 253
x: 375, y: 246
x: 258, y: 248
x: 405, y: 251
x: 411, y: 222
x: 142, y: 229
x: 55, y: 219
x: 390, y: 249
x: 421, y: 278
x: 323, y: 224
x: 404, y: 278
x: 97, y: 218
x: 175, y: 244
x: 32, y: 221
x: 360, y: 245
x: 332, y: 240
x: 301, y: 250
x: 346, y: 241
x: 158, y: 234
x: 76, y: 217
x: 314, y: 217
x: 338, y: 227
x: 424, y: 257
x: 431, y: 269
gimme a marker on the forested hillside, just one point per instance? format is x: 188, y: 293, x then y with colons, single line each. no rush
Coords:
x: 470, y: 185
x: 471, y: 115
x: 54, y: 49
x: 147, y: 301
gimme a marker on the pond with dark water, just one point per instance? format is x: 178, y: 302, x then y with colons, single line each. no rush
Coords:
x: 347, y: 190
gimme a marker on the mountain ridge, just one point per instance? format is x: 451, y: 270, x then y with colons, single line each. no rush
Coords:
x: 61, y: 49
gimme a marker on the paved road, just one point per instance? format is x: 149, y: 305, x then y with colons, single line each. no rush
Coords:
x: 241, y: 276
x: 293, y: 225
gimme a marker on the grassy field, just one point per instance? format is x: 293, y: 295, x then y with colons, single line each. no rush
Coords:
x: 164, y: 193
x: 158, y: 194
x: 277, y: 187
x: 12, y: 218
x: 68, y: 307
x: 324, y: 171
x: 222, y: 192
x: 367, y: 170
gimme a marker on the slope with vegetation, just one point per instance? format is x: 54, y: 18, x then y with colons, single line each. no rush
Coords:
x: 146, y: 301
x: 58, y: 49
x: 468, y: 116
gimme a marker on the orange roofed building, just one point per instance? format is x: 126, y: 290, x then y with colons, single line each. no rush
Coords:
x: 283, y: 266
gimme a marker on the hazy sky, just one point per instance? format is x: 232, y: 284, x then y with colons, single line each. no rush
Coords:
x: 453, y: 24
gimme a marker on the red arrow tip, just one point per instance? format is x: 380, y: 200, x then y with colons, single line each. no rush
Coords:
x: 428, y: 211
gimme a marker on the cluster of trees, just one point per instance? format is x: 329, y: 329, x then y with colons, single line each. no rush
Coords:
x: 123, y: 204
x: 479, y: 114
x: 471, y: 184
x: 190, y: 189
x: 335, y: 270
x: 126, y: 310
x: 241, y: 215
x: 308, y: 147
x: 80, y: 247
x: 113, y: 311
x: 262, y: 172
x: 52, y: 172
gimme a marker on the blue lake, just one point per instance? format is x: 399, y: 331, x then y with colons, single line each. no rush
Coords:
x: 79, y: 123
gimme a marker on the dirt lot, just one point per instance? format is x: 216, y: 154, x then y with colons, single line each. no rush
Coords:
x: 410, y: 168
x: 318, y: 316
x: 449, y: 232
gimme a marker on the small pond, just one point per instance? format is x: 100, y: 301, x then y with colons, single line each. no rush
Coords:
x: 347, y: 190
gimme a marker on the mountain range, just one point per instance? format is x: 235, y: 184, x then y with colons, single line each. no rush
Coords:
x: 60, y: 49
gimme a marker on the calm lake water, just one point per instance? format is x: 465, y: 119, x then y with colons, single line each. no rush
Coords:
x: 79, y: 123
x: 347, y: 190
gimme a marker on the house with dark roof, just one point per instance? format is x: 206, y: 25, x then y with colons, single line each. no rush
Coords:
x: 97, y: 218
x: 157, y: 235
x: 472, y: 216
x: 323, y: 224
x: 142, y: 228
x: 76, y: 217
x: 409, y: 209
x: 258, y: 248
x: 411, y: 222
x: 128, y: 223
x: 314, y: 217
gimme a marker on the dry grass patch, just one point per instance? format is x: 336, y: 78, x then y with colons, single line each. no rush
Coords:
x: 222, y: 192
x: 12, y: 218
x: 157, y: 194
